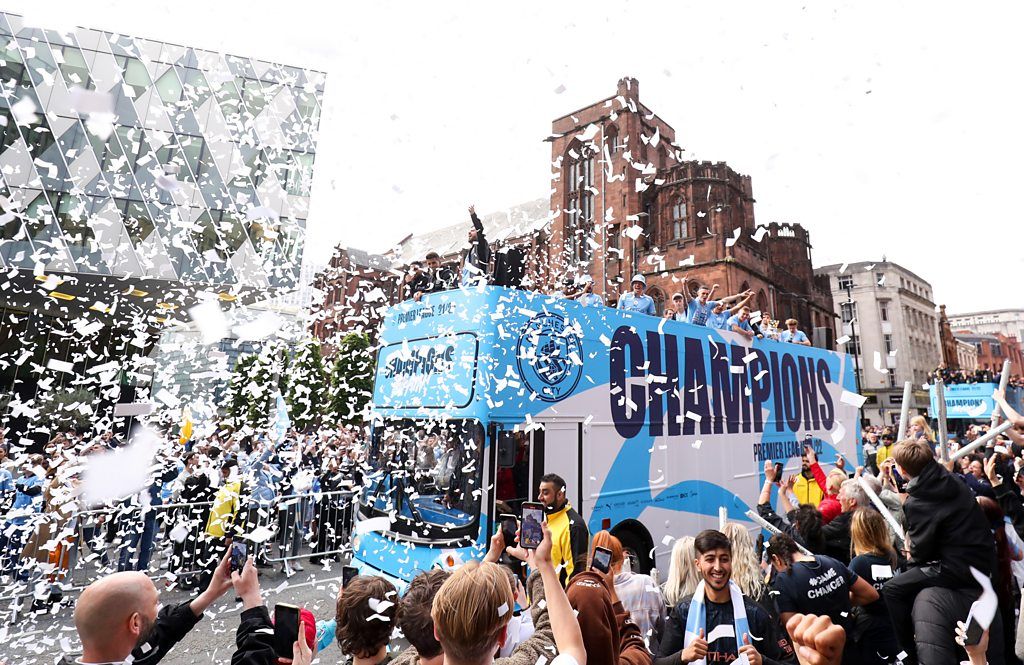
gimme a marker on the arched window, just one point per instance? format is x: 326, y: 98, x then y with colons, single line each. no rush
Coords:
x: 658, y: 296
x: 677, y: 218
x: 762, y: 302
x: 579, y: 203
x: 611, y: 139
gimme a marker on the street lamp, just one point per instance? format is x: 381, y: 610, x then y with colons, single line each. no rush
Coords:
x: 853, y: 335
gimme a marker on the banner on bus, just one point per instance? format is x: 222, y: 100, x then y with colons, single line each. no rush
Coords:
x: 965, y: 400
x: 435, y: 372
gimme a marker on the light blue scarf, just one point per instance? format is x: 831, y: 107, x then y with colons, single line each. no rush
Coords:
x: 696, y: 619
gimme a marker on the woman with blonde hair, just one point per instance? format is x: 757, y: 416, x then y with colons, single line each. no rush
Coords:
x: 875, y: 561
x: 683, y: 577
x: 919, y: 428
x: 746, y: 567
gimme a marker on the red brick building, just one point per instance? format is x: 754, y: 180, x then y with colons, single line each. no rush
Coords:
x: 994, y: 349
x: 356, y: 286
x: 625, y: 202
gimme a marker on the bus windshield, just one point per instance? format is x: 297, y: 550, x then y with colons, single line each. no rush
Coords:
x: 425, y: 475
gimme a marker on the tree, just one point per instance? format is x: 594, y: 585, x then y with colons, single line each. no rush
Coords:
x: 252, y: 391
x: 352, y: 380
x: 307, y: 384
x: 67, y: 410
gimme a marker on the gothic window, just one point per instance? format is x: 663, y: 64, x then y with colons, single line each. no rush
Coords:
x: 678, y: 218
x: 580, y: 190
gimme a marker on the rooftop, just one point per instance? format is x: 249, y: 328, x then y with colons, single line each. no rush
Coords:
x: 989, y: 311
x: 869, y: 265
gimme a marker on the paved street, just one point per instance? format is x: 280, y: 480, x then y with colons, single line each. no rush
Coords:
x: 46, y: 640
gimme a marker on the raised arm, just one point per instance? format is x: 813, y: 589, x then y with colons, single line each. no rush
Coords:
x: 477, y: 224
x: 736, y: 309
x: 1008, y: 411
x: 566, y: 629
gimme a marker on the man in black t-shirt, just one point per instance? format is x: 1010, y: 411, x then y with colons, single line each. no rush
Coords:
x: 713, y: 637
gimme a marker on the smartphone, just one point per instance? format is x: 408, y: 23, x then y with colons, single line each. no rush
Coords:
x: 239, y: 551
x: 602, y: 560
x: 530, y: 535
x: 286, y: 629
x: 974, y: 632
x: 509, y: 525
x: 347, y: 573
x: 778, y: 472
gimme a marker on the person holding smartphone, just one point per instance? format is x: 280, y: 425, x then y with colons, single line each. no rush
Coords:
x: 612, y: 638
x: 257, y: 638
x: 471, y: 632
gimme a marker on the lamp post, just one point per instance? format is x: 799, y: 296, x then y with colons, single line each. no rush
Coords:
x: 853, y: 335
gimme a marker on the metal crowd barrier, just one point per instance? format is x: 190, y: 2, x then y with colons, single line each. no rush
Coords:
x: 68, y: 553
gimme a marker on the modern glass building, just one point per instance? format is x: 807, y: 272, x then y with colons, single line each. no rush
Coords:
x: 135, y: 175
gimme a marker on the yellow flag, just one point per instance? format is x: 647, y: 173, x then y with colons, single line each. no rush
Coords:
x: 186, y: 426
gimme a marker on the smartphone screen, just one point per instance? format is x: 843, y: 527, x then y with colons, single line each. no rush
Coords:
x: 509, y: 525
x: 778, y: 472
x: 286, y: 629
x: 974, y: 632
x: 602, y: 561
x: 347, y: 573
x: 238, y: 553
x: 531, y: 534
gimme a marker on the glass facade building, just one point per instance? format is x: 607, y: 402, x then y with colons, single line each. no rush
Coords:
x: 135, y: 168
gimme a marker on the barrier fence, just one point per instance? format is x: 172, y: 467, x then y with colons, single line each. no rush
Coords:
x: 47, y: 555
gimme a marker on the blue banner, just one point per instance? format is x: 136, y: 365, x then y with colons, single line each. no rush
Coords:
x: 965, y: 400
x: 427, y: 373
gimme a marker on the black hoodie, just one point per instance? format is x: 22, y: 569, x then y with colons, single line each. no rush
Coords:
x: 946, y: 524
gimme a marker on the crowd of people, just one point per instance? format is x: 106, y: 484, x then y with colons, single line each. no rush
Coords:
x: 959, y: 376
x: 285, y: 496
x: 732, y: 313
x: 845, y: 577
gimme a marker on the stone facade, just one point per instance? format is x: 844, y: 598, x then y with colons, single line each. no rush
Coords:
x: 624, y: 202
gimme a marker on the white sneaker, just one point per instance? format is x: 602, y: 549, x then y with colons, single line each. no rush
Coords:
x: 297, y: 565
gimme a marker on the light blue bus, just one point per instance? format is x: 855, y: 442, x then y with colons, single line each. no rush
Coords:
x: 654, y: 424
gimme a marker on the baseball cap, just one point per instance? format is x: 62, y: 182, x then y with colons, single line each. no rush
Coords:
x: 639, y: 278
x: 586, y: 279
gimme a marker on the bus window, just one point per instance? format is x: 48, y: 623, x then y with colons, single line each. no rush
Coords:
x: 426, y: 474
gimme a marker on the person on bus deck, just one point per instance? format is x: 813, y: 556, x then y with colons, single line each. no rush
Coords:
x: 740, y: 323
x: 721, y: 313
x: 569, y: 533
x: 679, y: 307
x: 477, y: 257
x: 717, y: 622
x: 586, y: 296
x: 699, y: 309
x: 416, y: 281
x: 637, y: 300
x: 435, y: 276
x: 793, y: 335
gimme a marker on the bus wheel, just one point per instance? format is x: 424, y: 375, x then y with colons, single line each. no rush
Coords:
x: 634, y: 536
